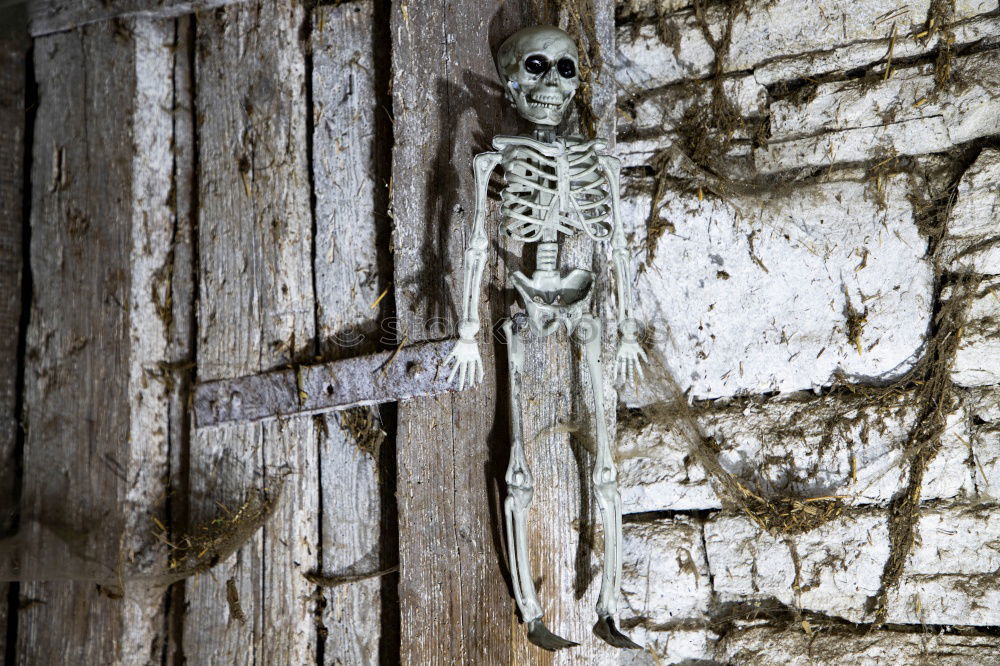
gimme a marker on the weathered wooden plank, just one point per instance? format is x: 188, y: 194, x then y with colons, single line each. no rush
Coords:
x: 254, y: 191
x: 255, y: 314
x: 452, y: 451
x: 265, y: 612
x: 96, y: 445
x: 13, y: 67
x: 351, y: 144
x: 153, y: 230
x: 13, y: 52
x: 351, y: 545
x: 446, y: 105
x: 350, y: 179
x: 48, y: 16
x: 372, y: 379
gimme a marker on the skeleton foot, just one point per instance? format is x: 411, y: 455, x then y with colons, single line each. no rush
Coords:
x: 539, y: 634
x: 606, y: 630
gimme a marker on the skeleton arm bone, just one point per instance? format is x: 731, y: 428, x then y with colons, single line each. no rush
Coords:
x: 468, y: 363
x: 630, y: 353
x: 475, y: 253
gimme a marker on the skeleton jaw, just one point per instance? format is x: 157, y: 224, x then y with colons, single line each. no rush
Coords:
x: 539, y: 107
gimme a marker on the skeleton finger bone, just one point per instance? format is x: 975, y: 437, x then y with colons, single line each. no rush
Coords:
x: 468, y: 364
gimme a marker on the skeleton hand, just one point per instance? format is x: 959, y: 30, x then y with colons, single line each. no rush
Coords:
x: 628, y: 363
x: 468, y: 363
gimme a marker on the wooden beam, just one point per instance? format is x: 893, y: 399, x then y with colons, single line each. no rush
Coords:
x: 452, y: 451
x: 352, y: 267
x: 350, y: 173
x: 454, y: 601
x: 95, y: 454
x: 255, y: 312
x: 14, y: 45
x: 49, y: 16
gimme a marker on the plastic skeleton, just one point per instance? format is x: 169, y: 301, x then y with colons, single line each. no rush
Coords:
x: 555, y: 186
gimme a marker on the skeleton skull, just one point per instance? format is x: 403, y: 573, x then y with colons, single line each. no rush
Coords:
x: 539, y: 67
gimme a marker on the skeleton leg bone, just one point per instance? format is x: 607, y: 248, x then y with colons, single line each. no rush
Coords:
x: 520, y: 488
x: 605, y: 480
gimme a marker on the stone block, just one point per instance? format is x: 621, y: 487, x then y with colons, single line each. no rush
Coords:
x: 670, y: 646
x: 845, y: 446
x: 651, y: 55
x: 665, y: 574
x: 770, y: 646
x: 832, y: 569
x: 972, y: 238
x: 977, y: 361
x: 780, y: 290
x: 858, y: 120
x: 949, y: 576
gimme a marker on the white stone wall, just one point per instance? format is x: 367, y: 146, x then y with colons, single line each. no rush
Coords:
x: 785, y: 285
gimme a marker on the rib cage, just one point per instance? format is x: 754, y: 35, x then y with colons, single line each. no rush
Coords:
x: 535, y: 208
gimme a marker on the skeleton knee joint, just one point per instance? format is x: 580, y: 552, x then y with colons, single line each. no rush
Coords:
x: 605, y: 477
x: 588, y: 330
x: 520, y: 486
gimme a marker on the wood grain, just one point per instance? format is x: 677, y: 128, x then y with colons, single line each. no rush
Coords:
x: 453, y: 450
x: 95, y: 405
x: 454, y: 600
x: 49, y: 16
x: 14, y: 45
x: 350, y: 179
x: 255, y: 313
x: 352, y: 510
x: 351, y: 264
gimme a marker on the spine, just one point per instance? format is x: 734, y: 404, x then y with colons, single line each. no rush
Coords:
x: 547, y: 258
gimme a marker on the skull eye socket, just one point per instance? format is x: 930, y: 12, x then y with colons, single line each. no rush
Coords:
x: 536, y: 64
x: 566, y: 68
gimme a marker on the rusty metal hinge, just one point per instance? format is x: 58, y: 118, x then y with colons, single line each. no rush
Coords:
x: 408, y: 372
